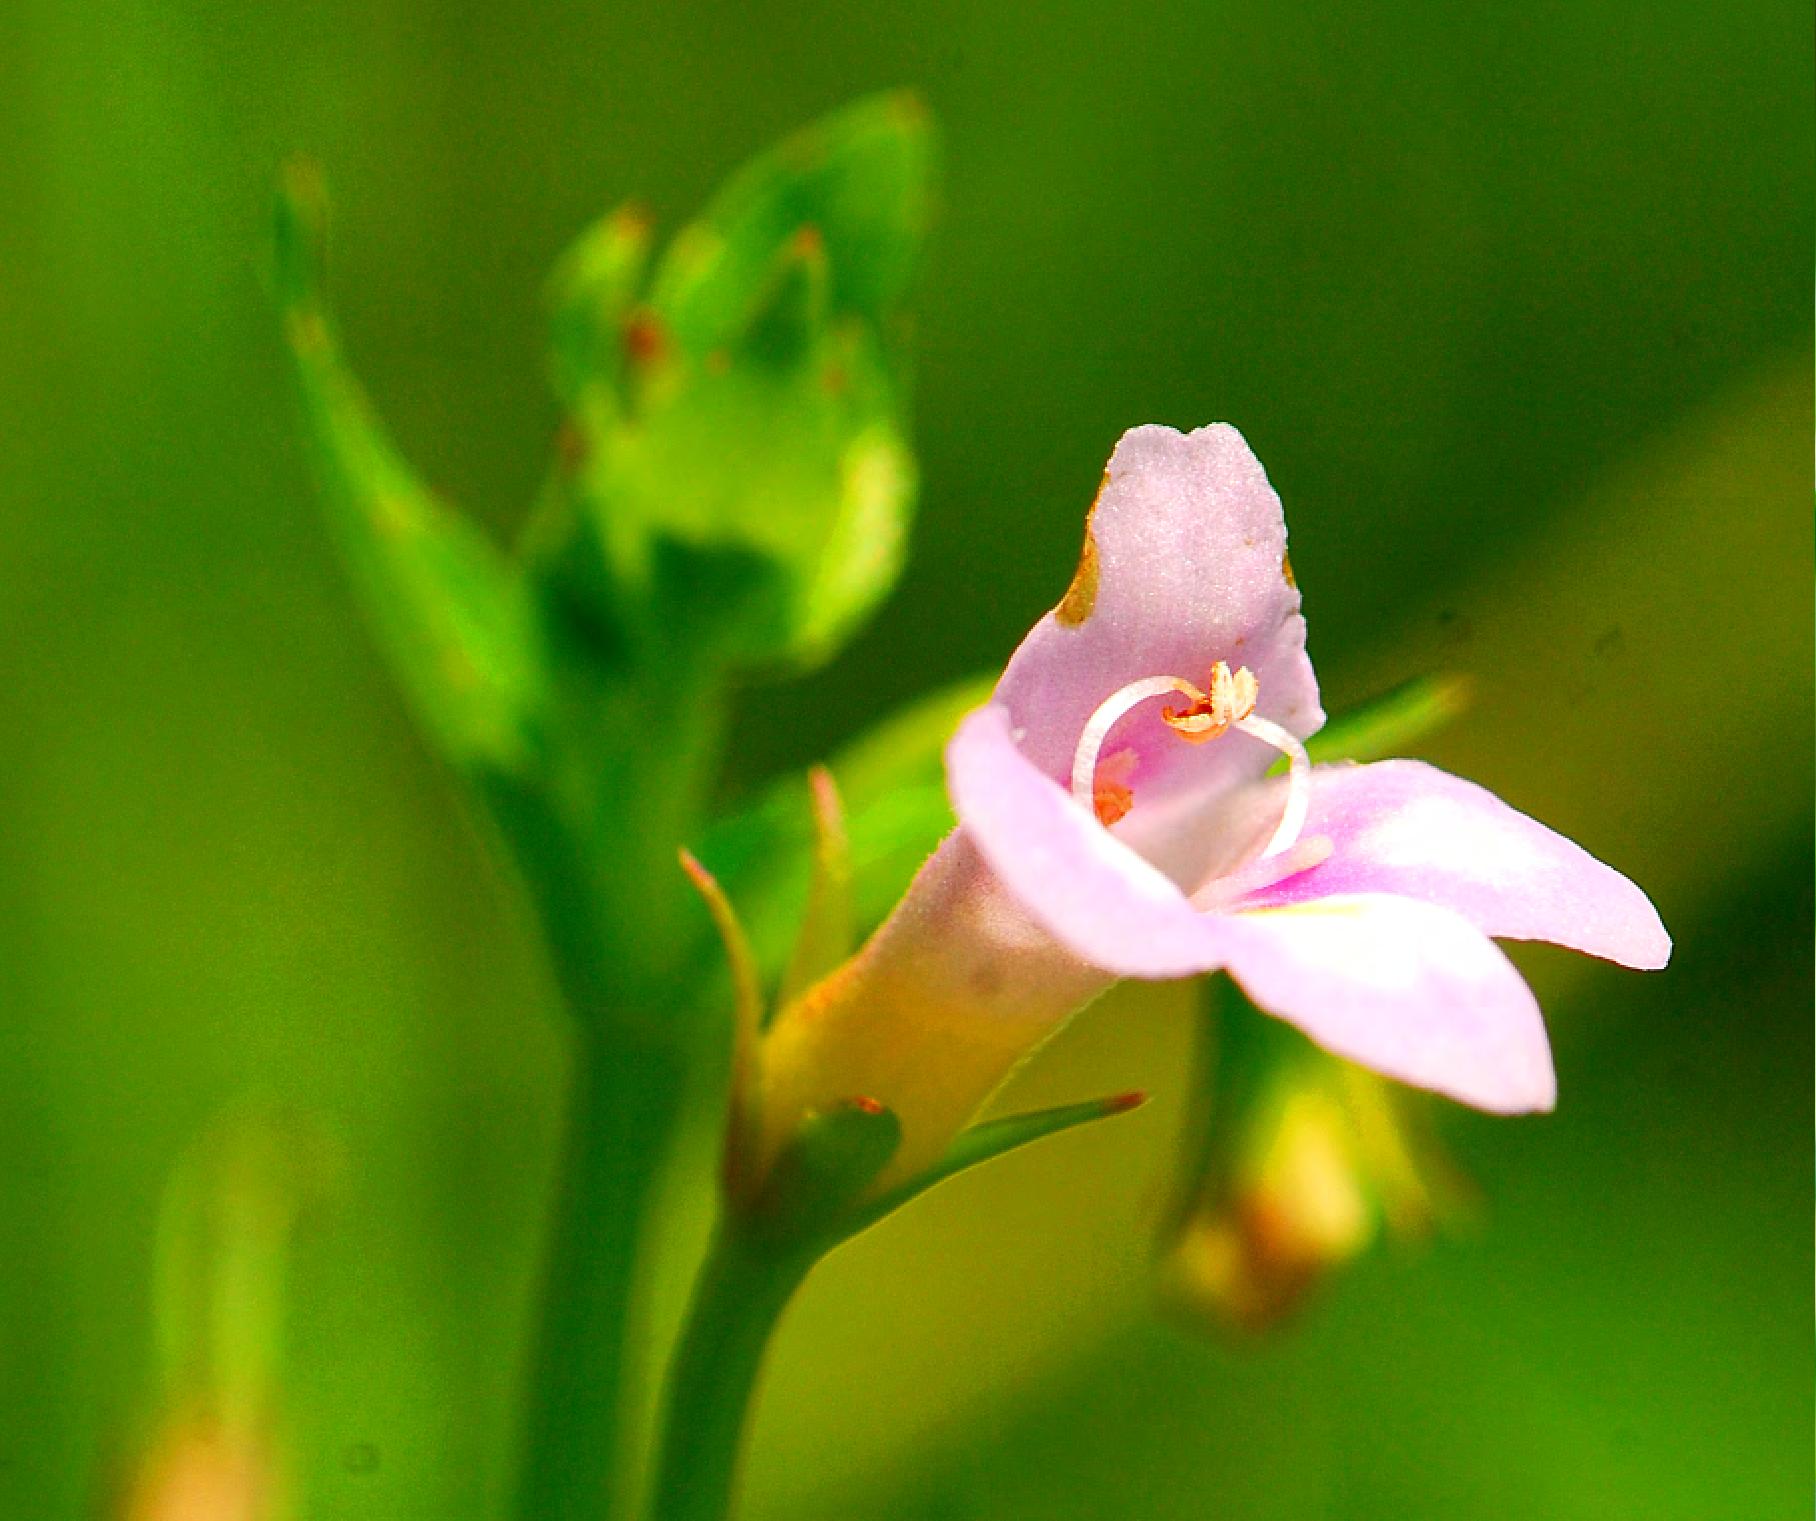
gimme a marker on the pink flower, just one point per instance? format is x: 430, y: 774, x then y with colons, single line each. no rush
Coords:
x: 1117, y: 819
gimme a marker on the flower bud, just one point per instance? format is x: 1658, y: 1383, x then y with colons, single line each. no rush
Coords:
x: 204, y: 1471
x: 1250, y: 1258
x: 1306, y: 1162
x: 735, y: 475
x: 228, y: 1215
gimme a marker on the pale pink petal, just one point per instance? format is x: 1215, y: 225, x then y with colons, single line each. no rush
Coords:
x: 1406, y: 828
x: 1413, y: 991
x: 1184, y: 565
x: 1091, y: 892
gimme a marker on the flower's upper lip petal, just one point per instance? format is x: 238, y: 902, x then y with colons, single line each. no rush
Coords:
x: 1088, y: 890
x: 1408, y: 989
x: 1407, y: 828
x: 1185, y: 565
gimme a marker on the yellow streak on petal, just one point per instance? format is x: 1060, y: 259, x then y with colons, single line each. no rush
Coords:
x: 1081, y: 595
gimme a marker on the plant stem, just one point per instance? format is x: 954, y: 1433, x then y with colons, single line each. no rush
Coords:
x: 743, y: 1288
x: 595, y: 837
x: 586, y: 1399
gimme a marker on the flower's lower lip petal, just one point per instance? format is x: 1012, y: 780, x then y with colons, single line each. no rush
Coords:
x: 1406, y: 828
x: 1411, y: 990
x: 1088, y: 890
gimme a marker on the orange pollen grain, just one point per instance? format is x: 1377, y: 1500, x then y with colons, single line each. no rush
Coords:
x: 1111, y: 795
x: 1112, y: 801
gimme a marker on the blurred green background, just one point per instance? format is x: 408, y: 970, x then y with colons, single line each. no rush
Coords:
x: 1514, y: 304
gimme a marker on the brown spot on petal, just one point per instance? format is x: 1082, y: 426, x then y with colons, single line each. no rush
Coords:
x: 1081, y: 595
x: 1286, y: 569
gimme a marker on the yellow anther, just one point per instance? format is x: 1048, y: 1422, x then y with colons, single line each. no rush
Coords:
x: 1231, y: 699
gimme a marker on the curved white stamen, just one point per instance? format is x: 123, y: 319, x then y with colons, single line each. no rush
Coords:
x: 1104, y: 718
x: 1298, y: 785
x: 1263, y: 872
x: 1113, y: 708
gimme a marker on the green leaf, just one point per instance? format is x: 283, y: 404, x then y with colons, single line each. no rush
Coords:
x: 1392, y: 722
x: 893, y: 784
x: 995, y: 1138
x: 449, y: 611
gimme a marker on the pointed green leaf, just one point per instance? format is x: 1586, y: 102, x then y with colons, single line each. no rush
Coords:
x: 1392, y: 722
x: 995, y: 1138
x: 448, y: 610
x: 743, y: 1100
x: 747, y: 989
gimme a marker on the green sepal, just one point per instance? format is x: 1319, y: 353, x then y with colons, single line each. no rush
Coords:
x: 826, y: 936
x: 862, y: 177
x: 815, y: 1195
x: 590, y: 294
x: 1389, y: 724
x: 796, y: 478
x: 792, y: 312
x: 823, y: 1171
x: 449, y: 611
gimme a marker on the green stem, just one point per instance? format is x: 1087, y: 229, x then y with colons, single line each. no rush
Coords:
x: 596, y: 837
x: 743, y: 1289
x: 586, y: 1396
